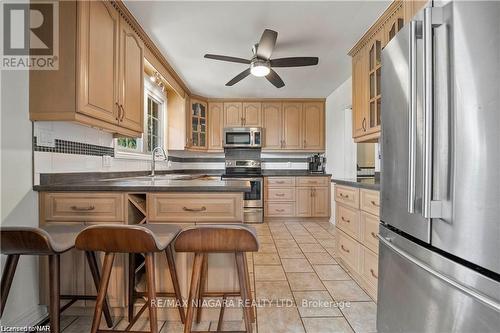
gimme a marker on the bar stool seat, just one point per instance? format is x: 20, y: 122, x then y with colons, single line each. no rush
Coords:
x: 223, y: 238
x: 52, y: 241
x: 146, y: 239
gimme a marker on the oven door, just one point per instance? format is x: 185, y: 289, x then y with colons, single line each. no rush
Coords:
x: 254, y: 197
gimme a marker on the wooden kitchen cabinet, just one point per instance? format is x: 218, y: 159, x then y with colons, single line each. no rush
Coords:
x: 395, y: 23
x: 359, y: 93
x: 197, y: 122
x: 99, y: 82
x: 313, y: 202
x: 252, y: 114
x: 233, y: 114
x: 313, y: 115
x: 215, y: 126
x: 292, y: 126
x: 374, y: 82
x: 272, y: 123
x: 304, y: 202
x: 131, y: 82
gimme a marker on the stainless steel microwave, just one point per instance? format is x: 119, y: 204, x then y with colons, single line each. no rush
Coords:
x: 242, y: 137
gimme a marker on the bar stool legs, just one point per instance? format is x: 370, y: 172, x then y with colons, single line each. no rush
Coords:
x: 101, y: 295
x: 55, y: 292
x: 201, y: 288
x: 94, y: 269
x: 175, y: 282
x: 7, y: 277
x: 193, y: 289
x: 245, y: 292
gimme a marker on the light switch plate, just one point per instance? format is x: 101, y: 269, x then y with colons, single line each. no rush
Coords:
x: 45, y: 139
x: 106, y: 161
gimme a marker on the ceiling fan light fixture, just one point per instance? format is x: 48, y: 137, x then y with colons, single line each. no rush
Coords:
x: 259, y: 68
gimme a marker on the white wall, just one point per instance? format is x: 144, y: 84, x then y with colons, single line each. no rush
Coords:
x: 340, y: 147
x: 19, y: 206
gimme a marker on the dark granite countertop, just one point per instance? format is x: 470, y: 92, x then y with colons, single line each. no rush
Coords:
x: 291, y: 173
x: 161, y: 183
x: 367, y: 183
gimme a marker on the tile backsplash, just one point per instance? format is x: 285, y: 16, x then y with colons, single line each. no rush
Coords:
x: 60, y: 147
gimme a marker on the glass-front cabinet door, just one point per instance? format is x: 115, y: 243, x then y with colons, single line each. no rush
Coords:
x: 198, y: 124
x: 374, y: 71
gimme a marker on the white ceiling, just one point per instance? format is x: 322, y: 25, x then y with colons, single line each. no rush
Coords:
x: 184, y: 31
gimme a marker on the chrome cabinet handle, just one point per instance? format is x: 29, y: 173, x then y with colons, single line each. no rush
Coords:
x: 344, y: 249
x: 202, y: 209
x: 88, y: 208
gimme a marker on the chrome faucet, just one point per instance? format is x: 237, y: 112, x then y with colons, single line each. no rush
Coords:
x: 153, y: 158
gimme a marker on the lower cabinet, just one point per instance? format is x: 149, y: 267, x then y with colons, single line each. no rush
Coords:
x: 357, y: 222
x: 297, y: 196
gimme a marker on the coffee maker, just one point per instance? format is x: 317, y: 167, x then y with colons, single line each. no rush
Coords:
x: 317, y: 163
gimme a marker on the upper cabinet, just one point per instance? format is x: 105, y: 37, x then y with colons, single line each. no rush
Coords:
x: 367, y: 69
x: 215, y: 126
x: 197, y: 122
x: 313, y: 115
x: 246, y: 114
x: 100, y: 78
x: 272, y: 123
x: 292, y: 126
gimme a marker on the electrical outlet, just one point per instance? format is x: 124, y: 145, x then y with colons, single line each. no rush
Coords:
x: 45, y: 139
x: 106, y: 161
x: 289, y: 164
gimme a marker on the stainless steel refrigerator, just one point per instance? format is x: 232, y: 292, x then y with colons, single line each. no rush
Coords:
x: 439, y: 260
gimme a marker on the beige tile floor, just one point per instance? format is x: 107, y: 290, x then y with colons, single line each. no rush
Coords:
x: 295, y: 266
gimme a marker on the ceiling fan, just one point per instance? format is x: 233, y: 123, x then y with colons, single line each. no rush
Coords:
x: 261, y: 63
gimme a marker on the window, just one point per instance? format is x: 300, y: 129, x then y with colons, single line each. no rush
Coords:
x: 154, y: 126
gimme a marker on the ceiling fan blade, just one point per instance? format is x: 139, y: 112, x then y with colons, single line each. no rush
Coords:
x: 266, y: 44
x: 239, y: 77
x: 275, y: 79
x: 227, y: 58
x: 294, y: 62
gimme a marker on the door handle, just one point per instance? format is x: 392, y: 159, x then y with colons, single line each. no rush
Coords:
x: 372, y: 272
x: 363, y: 124
x: 412, y: 117
x: 471, y: 292
x: 201, y: 209
x: 118, y: 114
x: 345, y: 220
x: 344, y: 249
x: 81, y: 209
x: 430, y: 208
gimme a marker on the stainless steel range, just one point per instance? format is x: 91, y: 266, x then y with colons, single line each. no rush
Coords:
x: 245, y: 164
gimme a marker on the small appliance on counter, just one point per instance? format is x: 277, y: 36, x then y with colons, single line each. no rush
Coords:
x: 317, y: 163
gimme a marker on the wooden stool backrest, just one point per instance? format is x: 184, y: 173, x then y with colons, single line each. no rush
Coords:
x: 117, y: 239
x: 24, y: 240
x: 220, y: 238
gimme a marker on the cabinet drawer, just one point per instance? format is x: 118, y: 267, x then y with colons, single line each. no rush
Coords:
x: 369, y: 230
x: 313, y: 181
x: 369, y: 267
x: 370, y: 201
x: 82, y: 207
x: 279, y: 209
x: 347, y: 195
x: 349, y: 250
x: 347, y: 219
x: 195, y: 207
x: 280, y: 181
x: 280, y: 194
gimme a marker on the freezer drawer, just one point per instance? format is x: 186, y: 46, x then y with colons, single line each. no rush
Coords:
x: 421, y: 291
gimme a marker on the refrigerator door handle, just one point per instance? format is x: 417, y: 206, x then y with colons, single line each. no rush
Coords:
x: 412, y: 117
x: 432, y: 18
x: 471, y: 292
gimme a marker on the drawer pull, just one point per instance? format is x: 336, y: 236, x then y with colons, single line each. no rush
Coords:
x: 280, y: 182
x: 346, y: 220
x: 373, y: 273
x: 374, y: 235
x: 280, y: 210
x: 85, y: 209
x: 344, y: 249
x: 202, y: 209
x: 374, y: 203
x: 342, y: 195
x: 280, y: 194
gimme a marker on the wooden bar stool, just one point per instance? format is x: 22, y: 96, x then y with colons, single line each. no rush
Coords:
x: 205, y: 239
x: 49, y: 241
x: 146, y: 239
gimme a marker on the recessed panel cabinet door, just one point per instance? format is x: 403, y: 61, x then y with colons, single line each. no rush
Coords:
x: 233, y: 115
x: 131, y: 79
x: 321, y: 202
x: 252, y: 114
x: 215, y: 124
x: 314, y: 125
x: 359, y: 96
x: 98, y: 24
x: 304, y: 203
x: 272, y: 123
x: 292, y: 126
